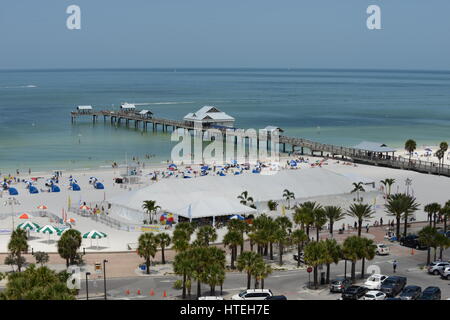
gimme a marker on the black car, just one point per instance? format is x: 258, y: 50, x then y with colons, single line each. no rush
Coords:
x: 354, y: 293
x: 339, y: 284
x: 393, y: 285
x: 431, y: 293
x: 410, y: 293
x: 281, y: 297
x: 412, y: 241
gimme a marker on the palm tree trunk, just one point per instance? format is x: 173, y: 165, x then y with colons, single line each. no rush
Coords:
x: 435, y: 253
x: 298, y: 255
x: 251, y: 245
x: 317, y: 233
x: 183, y: 295
x: 162, y: 256
x: 428, y: 256
x: 249, y: 279
x: 359, y: 227
x: 363, y: 262
x: 199, y: 288
x: 147, y: 263
x: 262, y: 283
x: 271, y: 251
x: 315, y: 277
x: 280, y: 247
x: 331, y: 228
x: 406, y: 226
x: 398, y: 227
x: 328, y: 273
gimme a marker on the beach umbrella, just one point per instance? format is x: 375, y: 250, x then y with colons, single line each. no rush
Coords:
x: 28, y: 225
x: 60, y: 232
x: 24, y: 216
x: 94, y: 234
x: 84, y: 207
x: 428, y: 149
x: 48, y: 229
x: 236, y: 216
x: 42, y: 207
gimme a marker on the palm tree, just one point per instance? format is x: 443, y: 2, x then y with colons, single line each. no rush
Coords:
x: 320, y: 219
x: 299, y: 237
x: 351, y: 250
x: 150, y: 207
x: 401, y: 205
x: 432, y: 209
x: 440, y: 155
x: 368, y: 250
x: 247, y: 262
x: 427, y: 236
x: 333, y: 214
x: 232, y: 239
x: 358, y: 187
x: 288, y: 195
x: 360, y: 212
x: 215, y: 269
x: 280, y: 236
x: 147, y: 243
x: 332, y: 255
x: 410, y: 146
x: 306, y: 214
x: 443, y: 243
x: 272, y: 205
x: 163, y: 240
x: 388, y: 185
x: 245, y: 198
x: 263, y: 270
x: 410, y: 206
x: 443, y: 147
x: 18, y: 244
x: 183, y: 266
x: 68, y: 245
x: 314, y: 256
x: 239, y: 226
x: 206, y: 234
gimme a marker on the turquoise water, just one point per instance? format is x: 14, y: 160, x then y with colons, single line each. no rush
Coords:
x: 332, y: 106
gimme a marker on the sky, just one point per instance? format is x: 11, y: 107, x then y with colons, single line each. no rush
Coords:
x: 225, y: 34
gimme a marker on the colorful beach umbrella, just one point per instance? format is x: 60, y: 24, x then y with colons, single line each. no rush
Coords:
x: 49, y: 229
x: 94, y: 234
x: 24, y: 216
x: 84, y: 207
x: 28, y: 225
x: 42, y: 207
x: 61, y: 231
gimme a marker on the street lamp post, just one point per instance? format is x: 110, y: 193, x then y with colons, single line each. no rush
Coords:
x: 345, y: 269
x: 87, y: 285
x: 11, y: 202
x: 104, y: 275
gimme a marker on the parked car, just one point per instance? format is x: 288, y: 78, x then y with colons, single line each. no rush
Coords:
x: 374, y: 281
x: 436, y: 267
x: 392, y: 298
x: 252, y: 294
x: 374, y: 295
x: 339, y: 284
x: 445, y: 273
x: 412, y: 241
x: 281, y: 297
x: 410, y: 293
x: 382, y: 249
x: 431, y: 293
x: 393, y: 285
x: 354, y: 293
x: 210, y: 298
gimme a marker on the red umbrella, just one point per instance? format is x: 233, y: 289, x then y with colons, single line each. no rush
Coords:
x: 84, y: 207
x: 24, y: 216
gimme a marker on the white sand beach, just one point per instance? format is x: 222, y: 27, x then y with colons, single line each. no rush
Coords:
x: 329, y: 184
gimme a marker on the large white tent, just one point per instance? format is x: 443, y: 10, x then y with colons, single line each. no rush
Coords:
x: 219, y: 194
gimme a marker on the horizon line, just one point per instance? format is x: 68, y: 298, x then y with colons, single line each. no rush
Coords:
x: 225, y: 69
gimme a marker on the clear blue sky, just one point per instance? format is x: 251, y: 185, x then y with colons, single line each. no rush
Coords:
x: 226, y: 33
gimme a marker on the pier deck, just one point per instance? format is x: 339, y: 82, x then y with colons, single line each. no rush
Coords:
x: 356, y: 155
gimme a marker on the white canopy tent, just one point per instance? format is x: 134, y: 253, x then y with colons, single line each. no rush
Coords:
x: 219, y: 194
x: 213, y: 206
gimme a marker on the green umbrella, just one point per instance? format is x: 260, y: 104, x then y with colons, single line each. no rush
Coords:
x: 28, y: 225
x: 49, y: 229
x: 94, y: 234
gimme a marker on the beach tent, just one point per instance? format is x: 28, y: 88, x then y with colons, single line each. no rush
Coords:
x: 55, y: 188
x: 33, y: 189
x: 94, y: 234
x: 236, y: 216
x: 99, y: 185
x: 75, y: 187
x: 13, y: 192
x: 48, y: 229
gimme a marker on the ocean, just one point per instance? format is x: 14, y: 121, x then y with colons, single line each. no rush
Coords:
x: 340, y: 107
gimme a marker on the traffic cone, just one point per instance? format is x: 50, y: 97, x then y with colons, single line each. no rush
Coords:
x: 164, y: 294
x: 152, y: 293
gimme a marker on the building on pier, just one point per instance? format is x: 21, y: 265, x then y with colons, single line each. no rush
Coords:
x: 210, y: 116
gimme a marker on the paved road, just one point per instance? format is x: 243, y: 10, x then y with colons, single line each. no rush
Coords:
x: 292, y: 283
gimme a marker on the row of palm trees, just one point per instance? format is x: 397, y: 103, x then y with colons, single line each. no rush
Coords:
x: 411, y: 146
x: 148, y: 244
x: 327, y: 252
